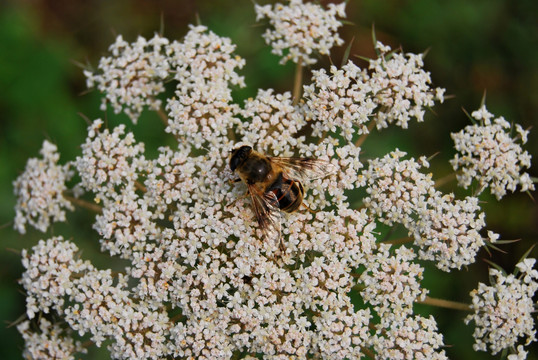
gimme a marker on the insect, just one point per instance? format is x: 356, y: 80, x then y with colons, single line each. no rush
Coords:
x: 275, y: 183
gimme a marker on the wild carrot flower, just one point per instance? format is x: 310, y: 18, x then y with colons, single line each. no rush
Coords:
x: 446, y: 230
x: 201, y: 280
x: 302, y: 30
x: 401, y: 87
x: 503, y: 311
x: 40, y: 189
x: 49, y: 341
x: 394, y: 90
x: 133, y: 76
x: 491, y: 155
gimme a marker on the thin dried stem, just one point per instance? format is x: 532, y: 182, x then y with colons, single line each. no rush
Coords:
x: 369, y: 353
x: 140, y: 186
x: 83, y: 204
x: 87, y: 344
x: 297, y: 85
x: 444, y: 180
x: 363, y: 137
x: 163, y: 116
x: 178, y: 318
x: 323, y: 136
x: 15, y: 251
x: 400, y: 241
x: 447, y: 304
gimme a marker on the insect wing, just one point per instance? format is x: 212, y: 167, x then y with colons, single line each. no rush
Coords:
x: 267, y: 211
x: 304, y: 169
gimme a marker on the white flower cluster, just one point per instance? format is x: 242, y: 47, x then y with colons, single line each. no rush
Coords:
x: 445, y: 230
x: 401, y: 87
x: 503, y: 312
x: 202, y: 280
x: 50, y: 341
x: 414, y: 338
x: 489, y: 154
x: 235, y: 291
x: 392, y: 283
x: 110, y: 165
x: 394, y: 91
x: 520, y: 355
x: 47, y: 277
x: 39, y: 190
x: 340, y: 100
x: 133, y: 76
x: 204, y: 61
x: 273, y: 123
x: 301, y: 31
x: 90, y: 301
x: 109, y: 160
x: 204, y: 68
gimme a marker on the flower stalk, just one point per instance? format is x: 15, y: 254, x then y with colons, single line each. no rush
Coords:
x: 447, y: 304
x: 83, y: 204
x: 298, y: 82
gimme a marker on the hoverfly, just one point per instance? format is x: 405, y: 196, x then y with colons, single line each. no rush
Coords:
x: 275, y: 183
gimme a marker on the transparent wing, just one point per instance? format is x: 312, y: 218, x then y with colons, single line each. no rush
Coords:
x: 267, y: 211
x: 304, y: 169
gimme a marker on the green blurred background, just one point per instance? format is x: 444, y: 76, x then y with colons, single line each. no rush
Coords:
x: 475, y: 46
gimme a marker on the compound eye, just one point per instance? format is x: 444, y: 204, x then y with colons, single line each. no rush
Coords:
x: 234, y: 162
x: 239, y: 155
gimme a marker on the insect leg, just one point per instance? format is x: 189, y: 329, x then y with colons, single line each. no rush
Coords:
x: 309, y: 209
x: 237, y: 198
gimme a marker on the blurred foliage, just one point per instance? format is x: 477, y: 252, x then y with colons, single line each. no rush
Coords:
x: 475, y: 46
